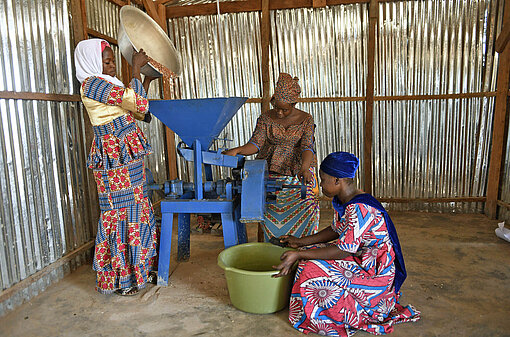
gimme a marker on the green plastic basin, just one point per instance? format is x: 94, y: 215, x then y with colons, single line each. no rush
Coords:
x: 248, y: 270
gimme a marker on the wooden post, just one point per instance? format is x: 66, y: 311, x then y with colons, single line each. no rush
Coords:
x: 499, y: 125
x: 79, y: 20
x: 265, y: 40
x: 265, y: 36
x: 369, y: 101
x: 158, y: 13
x: 503, y: 38
x: 79, y: 24
x: 319, y: 3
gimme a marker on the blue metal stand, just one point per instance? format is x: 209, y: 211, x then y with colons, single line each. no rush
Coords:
x: 234, y: 231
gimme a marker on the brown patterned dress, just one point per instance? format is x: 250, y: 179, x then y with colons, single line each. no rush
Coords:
x: 283, y: 149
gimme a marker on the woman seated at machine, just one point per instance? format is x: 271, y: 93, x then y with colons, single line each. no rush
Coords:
x: 352, y: 283
x: 284, y: 136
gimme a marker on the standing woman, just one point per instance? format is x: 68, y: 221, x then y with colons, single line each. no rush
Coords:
x: 284, y: 136
x: 126, y: 235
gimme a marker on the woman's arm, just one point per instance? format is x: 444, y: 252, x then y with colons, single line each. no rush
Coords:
x: 246, y: 150
x: 325, y: 235
x: 307, y: 151
x: 304, y: 172
x: 290, y: 257
x: 256, y: 141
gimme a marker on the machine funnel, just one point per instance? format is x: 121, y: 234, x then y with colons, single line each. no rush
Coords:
x: 201, y: 119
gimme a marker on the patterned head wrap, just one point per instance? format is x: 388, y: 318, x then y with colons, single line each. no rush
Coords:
x: 340, y: 165
x: 287, y: 89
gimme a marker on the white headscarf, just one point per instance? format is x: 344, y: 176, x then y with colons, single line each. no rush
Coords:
x: 88, y: 58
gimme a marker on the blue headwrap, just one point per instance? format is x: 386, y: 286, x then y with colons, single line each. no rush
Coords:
x: 340, y: 165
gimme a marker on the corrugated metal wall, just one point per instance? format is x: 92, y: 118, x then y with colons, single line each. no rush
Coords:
x: 434, y: 148
x: 326, y: 49
x: 210, y: 73
x: 422, y: 148
x: 44, y: 210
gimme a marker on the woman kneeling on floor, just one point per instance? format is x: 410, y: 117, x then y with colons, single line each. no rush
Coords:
x: 353, y: 283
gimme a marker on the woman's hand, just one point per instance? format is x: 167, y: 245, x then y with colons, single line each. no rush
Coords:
x: 291, y: 241
x: 288, y: 259
x: 140, y: 59
x: 232, y: 152
x: 305, y: 175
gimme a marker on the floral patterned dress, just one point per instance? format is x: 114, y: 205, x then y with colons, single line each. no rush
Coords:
x: 339, y: 297
x: 126, y: 235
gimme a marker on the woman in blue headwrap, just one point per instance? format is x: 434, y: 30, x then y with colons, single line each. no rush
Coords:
x: 352, y: 283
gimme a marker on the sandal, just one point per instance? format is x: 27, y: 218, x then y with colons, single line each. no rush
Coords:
x: 153, y: 277
x: 127, y: 291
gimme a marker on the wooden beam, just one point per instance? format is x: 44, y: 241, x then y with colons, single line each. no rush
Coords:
x: 319, y: 3
x: 428, y: 97
x: 95, y: 33
x: 503, y: 204
x: 249, y: 6
x: 84, y: 24
x: 79, y: 30
x: 119, y: 3
x: 126, y: 71
x: 39, y: 96
x: 398, y: 98
x: 210, y: 8
x: 166, y: 2
x: 499, y: 125
x: 158, y: 13
x: 265, y: 40
x: 162, y: 15
x: 503, y: 38
x: 431, y: 200
x: 369, y: 102
x: 24, y: 284
x: 151, y: 9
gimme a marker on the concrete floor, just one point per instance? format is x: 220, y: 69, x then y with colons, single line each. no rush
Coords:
x: 459, y: 278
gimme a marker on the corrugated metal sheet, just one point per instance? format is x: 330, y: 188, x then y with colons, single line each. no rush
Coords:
x: 326, y: 49
x: 44, y: 211
x: 434, y: 148
x: 210, y: 73
x: 428, y: 148
x: 191, y: 2
x: 103, y: 16
x: 236, y: 71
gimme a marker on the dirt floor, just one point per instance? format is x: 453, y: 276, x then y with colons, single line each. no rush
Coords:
x: 459, y: 278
